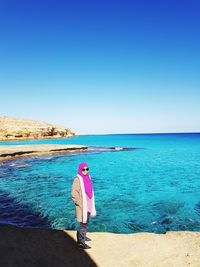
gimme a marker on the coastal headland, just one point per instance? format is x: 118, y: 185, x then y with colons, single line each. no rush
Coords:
x: 22, y: 247
x: 23, y: 129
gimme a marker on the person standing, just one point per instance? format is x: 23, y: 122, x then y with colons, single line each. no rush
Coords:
x: 83, y: 196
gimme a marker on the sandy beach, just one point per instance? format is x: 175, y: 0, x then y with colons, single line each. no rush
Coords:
x: 43, y: 247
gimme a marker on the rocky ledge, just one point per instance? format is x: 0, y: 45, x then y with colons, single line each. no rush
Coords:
x: 45, y: 247
x: 7, y: 152
x: 23, y: 129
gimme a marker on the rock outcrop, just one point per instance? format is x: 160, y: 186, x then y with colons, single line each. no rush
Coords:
x: 22, y: 129
x: 47, y: 247
x: 9, y: 152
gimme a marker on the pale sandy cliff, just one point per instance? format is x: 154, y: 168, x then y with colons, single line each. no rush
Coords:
x: 20, y: 129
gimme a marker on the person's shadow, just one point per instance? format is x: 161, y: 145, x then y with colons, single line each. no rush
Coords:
x: 27, y: 247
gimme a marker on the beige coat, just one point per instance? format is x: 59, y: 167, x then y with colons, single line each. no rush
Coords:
x: 78, y: 199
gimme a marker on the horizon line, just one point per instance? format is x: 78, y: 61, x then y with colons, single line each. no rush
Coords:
x: 137, y: 133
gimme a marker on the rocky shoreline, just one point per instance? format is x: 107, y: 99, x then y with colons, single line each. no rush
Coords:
x: 14, y: 151
x: 23, y: 129
x: 46, y: 247
x: 9, y: 152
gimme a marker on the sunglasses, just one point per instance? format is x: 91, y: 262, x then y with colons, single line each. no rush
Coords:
x: 85, y: 169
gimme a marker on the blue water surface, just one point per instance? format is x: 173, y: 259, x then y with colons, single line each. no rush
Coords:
x: 153, y: 189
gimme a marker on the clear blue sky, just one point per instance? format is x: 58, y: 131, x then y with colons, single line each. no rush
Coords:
x: 102, y: 66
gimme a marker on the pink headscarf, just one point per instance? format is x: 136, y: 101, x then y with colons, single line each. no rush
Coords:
x: 86, y: 179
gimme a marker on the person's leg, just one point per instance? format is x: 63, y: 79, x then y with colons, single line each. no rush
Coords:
x: 88, y: 219
x: 81, y: 234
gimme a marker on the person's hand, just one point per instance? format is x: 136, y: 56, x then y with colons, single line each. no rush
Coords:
x: 76, y: 204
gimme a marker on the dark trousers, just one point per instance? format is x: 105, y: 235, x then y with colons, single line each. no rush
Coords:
x: 81, y: 233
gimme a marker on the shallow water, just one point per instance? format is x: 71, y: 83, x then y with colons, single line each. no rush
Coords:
x: 153, y: 189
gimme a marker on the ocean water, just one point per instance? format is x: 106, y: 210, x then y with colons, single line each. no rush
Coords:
x: 152, y: 189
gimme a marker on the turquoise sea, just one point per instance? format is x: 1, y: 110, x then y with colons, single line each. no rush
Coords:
x: 152, y: 189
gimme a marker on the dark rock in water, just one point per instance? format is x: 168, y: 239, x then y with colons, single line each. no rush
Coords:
x: 167, y: 207
x: 110, y: 149
x: 166, y: 221
x: 71, y: 226
x: 136, y: 226
x: 197, y: 207
x: 12, y: 212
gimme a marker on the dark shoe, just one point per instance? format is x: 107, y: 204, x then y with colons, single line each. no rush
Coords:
x: 83, y: 246
x: 88, y: 239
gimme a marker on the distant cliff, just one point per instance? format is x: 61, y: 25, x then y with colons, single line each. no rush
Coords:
x: 22, y: 129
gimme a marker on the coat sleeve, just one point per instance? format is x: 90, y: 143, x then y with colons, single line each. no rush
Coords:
x: 76, y: 192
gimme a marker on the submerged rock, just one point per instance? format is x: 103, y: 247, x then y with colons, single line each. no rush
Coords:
x: 197, y: 207
x: 97, y: 149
